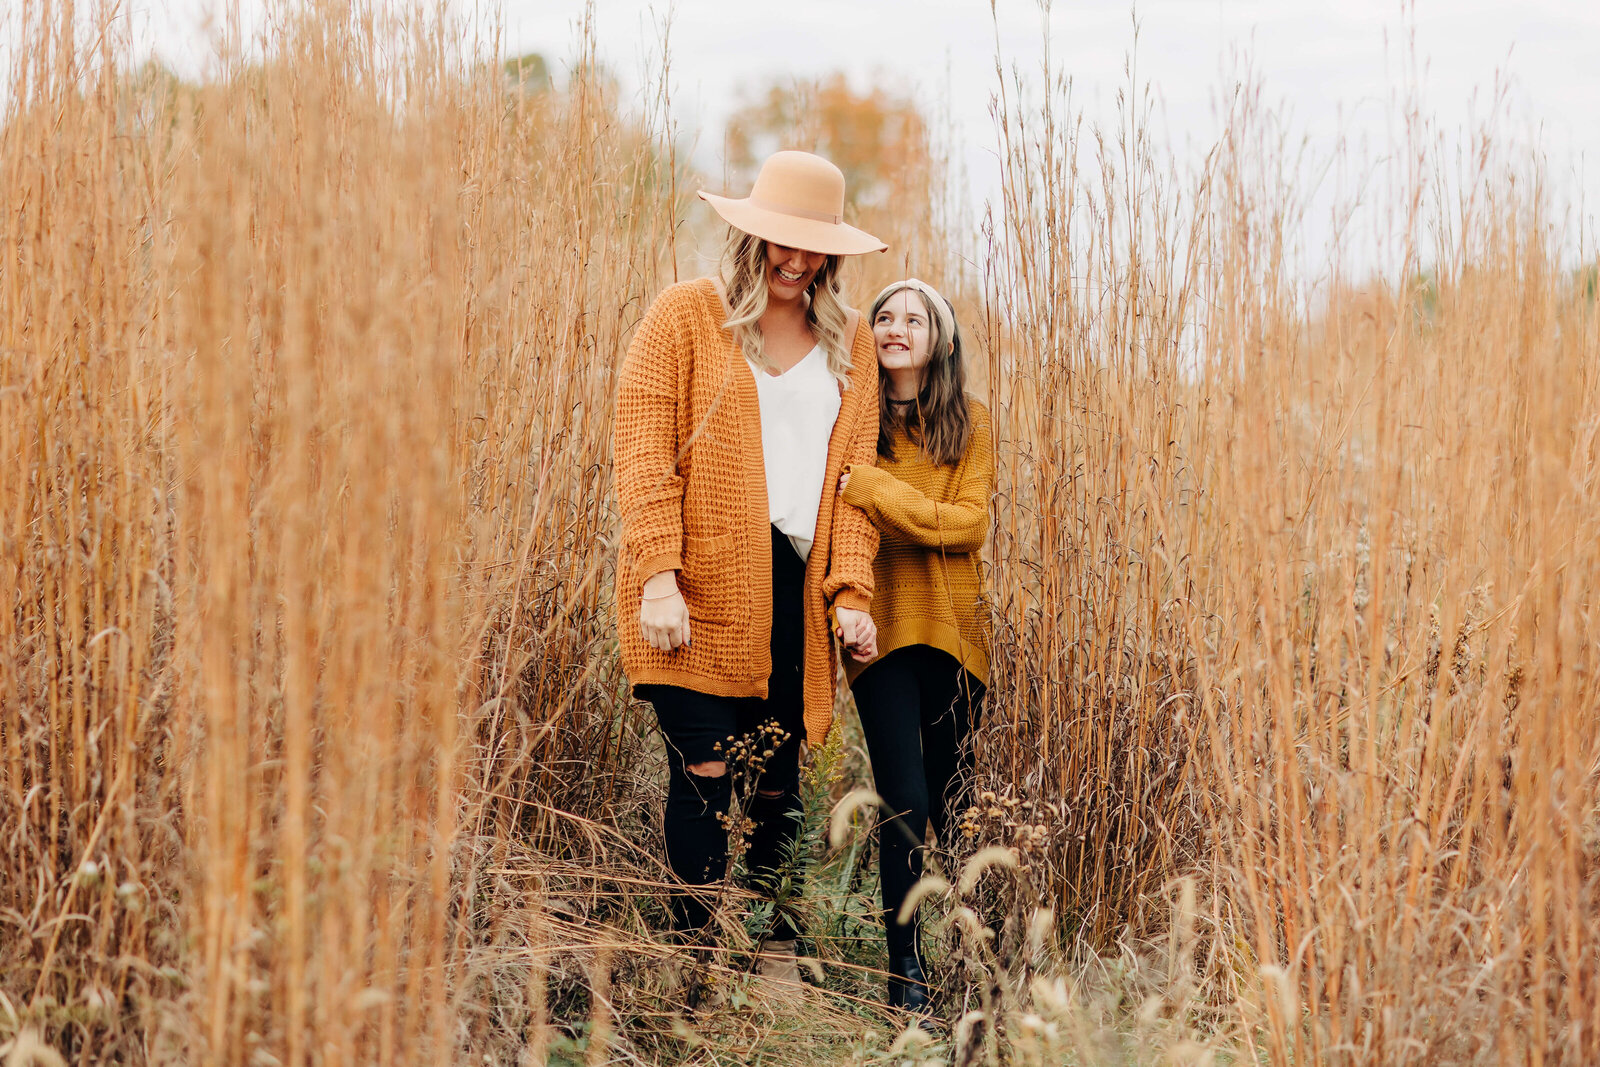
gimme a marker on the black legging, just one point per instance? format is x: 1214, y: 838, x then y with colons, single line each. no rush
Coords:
x: 701, y: 728
x: 918, y: 706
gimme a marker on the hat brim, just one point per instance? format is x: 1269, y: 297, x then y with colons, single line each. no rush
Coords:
x: 810, y: 235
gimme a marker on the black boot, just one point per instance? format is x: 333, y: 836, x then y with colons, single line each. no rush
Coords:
x: 908, y: 988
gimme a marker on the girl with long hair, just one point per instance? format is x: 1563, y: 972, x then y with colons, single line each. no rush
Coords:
x: 741, y: 398
x: 928, y: 496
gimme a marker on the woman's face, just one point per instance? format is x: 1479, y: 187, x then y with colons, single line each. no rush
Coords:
x: 902, y: 332
x: 790, y: 271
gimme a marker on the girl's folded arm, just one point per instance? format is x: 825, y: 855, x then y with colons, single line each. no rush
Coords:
x: 896, y: 508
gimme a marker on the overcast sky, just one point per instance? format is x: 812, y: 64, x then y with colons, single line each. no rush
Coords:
x: 1335, y: 65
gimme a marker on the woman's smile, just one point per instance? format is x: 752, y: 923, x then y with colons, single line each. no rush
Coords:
x: 791, y: 270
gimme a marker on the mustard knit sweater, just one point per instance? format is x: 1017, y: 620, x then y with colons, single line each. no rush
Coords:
x: 692, y: 489
x: 932, y: 521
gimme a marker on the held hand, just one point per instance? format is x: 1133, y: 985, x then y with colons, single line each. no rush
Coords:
x: 663, y: 615
x: 858, y: 633
x: 843, y: 479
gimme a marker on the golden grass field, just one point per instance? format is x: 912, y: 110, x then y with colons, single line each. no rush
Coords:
x: 314, y: 747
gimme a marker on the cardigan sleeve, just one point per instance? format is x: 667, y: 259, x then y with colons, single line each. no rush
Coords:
x: 645, y: 437
x: 855, y: 539
x: 906, y: 514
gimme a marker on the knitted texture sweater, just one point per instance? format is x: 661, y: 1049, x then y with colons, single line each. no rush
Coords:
x: 692, y: 490
x: 933, y: 521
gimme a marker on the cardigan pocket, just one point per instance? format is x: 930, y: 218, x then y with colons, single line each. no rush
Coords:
x: 711, y: 587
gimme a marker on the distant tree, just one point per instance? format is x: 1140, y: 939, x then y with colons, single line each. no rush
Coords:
x: 876, y: 137
x: 529, y: 72
x: 879, y: 138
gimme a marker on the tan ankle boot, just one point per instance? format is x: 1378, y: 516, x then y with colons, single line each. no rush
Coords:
x: 778, y: 960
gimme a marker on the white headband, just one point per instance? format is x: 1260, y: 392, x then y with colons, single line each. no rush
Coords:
x: 936, y: 303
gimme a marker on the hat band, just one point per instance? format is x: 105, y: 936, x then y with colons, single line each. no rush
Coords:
x: 796, y: 212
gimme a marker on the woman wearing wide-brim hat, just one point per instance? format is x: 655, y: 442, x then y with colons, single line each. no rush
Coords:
x: 742, y: 397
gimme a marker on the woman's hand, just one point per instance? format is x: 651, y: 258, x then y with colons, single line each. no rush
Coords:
x: 663, y: 615
x: 843, y: 479
x: 857, y: 632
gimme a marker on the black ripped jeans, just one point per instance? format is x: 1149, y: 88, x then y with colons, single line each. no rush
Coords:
x: 918, y: 706
x: 701, y: 728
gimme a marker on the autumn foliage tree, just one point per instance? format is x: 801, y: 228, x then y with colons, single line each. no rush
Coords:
x: 879, y: 138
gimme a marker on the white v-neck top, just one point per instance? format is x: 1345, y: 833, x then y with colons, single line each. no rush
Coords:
x: 798, y: 410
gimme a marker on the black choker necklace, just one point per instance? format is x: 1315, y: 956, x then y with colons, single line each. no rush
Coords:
x: 892, y: 400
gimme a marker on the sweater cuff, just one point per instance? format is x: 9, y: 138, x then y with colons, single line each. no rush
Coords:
x: 852, y: 598
x: 666, y: 561
x: 858, y: 490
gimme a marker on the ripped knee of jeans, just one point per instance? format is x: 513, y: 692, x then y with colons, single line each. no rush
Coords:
x: 779, y: 778
x: 769, y: 799
x: 707, y: 783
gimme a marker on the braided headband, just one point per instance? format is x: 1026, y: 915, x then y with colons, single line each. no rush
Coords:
x: 930, y: 296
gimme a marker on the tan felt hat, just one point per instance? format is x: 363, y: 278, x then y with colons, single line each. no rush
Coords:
x: 797, y: 201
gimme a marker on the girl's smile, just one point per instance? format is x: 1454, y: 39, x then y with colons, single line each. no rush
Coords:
x: 901, y: 330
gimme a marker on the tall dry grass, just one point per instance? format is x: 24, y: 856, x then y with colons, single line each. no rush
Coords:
x: 314, y: 745
x: 1291, y: 580
x: 308, y: 524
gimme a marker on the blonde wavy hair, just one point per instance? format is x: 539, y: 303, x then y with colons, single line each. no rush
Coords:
x: 744, y: 275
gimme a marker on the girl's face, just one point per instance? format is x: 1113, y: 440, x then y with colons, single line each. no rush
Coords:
x: 790, y: 271
x: 902, y: 332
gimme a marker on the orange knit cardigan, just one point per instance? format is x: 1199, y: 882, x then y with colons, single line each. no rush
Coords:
x: 692, y: 489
